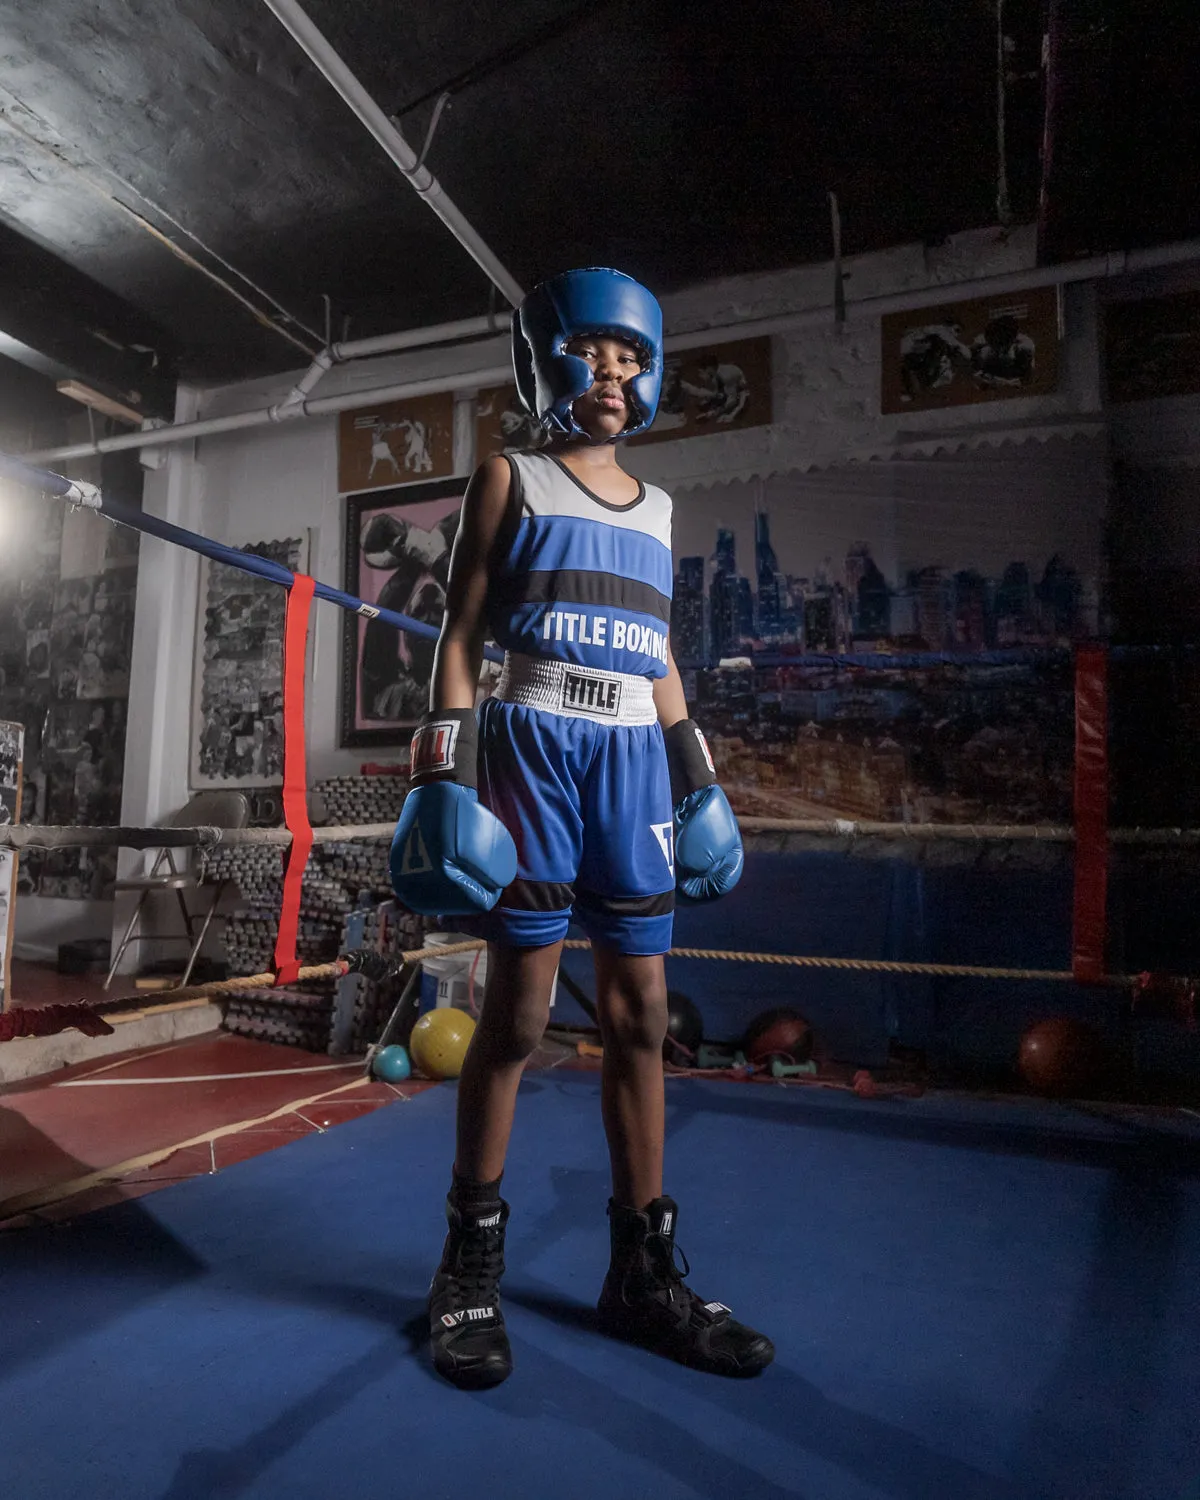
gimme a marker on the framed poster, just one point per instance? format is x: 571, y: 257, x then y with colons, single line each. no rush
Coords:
x: 12, y: 751
x: 396, y: 442
x: 237, y: 673
x: 1152, y: 347
x: 397, y: 555
x: 988, y: 349
x: 713, y: 389
x: 502, y: 425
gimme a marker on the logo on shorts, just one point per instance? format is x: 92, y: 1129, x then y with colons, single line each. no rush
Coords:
x: 665, y: 834
x: 591, y: 695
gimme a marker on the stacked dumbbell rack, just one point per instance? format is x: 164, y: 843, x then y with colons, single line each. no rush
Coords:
x: 346, y: 903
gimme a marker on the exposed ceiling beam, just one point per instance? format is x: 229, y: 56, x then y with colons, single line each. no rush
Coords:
x: 61, y: 323
x: 339, y: 76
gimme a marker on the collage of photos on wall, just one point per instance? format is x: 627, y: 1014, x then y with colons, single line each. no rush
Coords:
x: 12, y: 749
x: 68, y: 626
x: 237, y: 683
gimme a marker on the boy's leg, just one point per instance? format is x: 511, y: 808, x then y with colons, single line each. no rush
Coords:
x: 469, y: 1343
x: 631, y: 1001
x: 516, y: 1009
x: 644, y: 1298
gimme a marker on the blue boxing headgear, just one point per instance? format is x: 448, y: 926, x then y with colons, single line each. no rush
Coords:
x: 595, y: 301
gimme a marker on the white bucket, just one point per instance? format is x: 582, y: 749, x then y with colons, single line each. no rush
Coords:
x: 459, y: 978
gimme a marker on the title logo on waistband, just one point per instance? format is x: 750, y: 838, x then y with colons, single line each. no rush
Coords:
x: 591, y: 695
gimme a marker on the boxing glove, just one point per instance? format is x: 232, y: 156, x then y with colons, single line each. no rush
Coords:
x: 708, y: 844
x: 451, y: 856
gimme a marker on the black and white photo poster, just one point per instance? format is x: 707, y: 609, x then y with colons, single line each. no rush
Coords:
x: 237, y: 687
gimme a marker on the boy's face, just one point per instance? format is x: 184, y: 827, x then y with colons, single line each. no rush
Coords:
x: 604, y: 410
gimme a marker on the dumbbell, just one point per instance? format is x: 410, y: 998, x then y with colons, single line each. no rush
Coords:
x: 781, y: 1069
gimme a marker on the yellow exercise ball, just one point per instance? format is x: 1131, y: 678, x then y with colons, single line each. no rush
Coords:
x: 440, y: 1040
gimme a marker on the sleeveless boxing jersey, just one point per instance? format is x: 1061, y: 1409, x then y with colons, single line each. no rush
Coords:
x: 584, y: 581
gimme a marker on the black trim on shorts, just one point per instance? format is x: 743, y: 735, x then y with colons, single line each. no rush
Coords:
x: 538, y: 895
x: 582, y: 586
x: 660, y: 905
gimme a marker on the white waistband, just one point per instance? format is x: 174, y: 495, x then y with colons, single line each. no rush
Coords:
x: 559, y: 687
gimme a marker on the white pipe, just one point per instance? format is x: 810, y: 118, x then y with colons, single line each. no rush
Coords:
x: 417, y: 338
x: 1098, y: 268
x: 182, y: 432
x: 324, y: 57
x: 292, y: 404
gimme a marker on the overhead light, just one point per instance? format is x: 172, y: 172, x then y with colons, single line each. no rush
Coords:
x: 98, y: 401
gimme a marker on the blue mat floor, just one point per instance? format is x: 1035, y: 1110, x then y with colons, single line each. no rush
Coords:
x: 971, y: 1301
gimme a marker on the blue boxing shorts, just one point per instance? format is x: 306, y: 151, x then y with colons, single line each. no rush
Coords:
x: 588, y: 803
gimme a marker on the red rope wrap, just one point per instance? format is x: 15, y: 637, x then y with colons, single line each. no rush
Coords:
x: 1091, y: 814
x: 295, y: 776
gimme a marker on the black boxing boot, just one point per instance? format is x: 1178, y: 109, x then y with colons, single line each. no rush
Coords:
x: 644, y: 1300
x: 466, y: 1326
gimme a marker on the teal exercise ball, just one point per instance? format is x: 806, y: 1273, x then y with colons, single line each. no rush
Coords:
x: 391, y: 1065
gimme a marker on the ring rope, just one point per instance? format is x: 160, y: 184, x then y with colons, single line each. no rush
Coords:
x: 43, y: 1020
x: 60, y: 836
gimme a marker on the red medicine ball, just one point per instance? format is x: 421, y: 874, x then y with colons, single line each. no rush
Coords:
x: 782, y: 1033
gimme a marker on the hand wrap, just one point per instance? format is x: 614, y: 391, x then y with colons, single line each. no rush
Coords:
x: 451, y: 857
x: 708, y: 844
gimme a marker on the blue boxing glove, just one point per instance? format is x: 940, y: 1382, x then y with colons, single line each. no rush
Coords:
x: 451, y: 856
x: 708, y: 844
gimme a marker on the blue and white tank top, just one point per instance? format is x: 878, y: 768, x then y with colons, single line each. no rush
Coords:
x: 584, y: 581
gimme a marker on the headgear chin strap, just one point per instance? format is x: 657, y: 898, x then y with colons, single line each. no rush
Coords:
x: 596, y: 301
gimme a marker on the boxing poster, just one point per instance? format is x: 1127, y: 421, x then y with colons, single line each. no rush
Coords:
x: 502, y: 425
x: 1152, y: 347
x: 714, y: 389
x: 989, y: 349
x: 397, y: 442
x: 397, y: 555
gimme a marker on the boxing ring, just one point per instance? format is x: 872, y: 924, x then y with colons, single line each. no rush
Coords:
x: 972, y: 1296
x: 1089, y: 837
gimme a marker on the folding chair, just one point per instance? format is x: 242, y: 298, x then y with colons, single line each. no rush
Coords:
x: 206, y: 809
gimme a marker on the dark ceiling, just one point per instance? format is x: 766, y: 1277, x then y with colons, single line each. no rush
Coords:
x: 141, y: 140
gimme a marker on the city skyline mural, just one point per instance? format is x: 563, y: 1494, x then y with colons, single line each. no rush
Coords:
x: 889, y: 641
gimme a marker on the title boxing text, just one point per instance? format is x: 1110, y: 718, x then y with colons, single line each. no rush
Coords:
x: 594, y: 630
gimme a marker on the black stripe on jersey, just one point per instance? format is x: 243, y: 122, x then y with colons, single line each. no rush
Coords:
x: 581, y: 586
x: 629, y: 906
x: 538, y: 895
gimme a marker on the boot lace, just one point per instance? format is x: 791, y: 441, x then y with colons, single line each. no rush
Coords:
x: 479, y: 1262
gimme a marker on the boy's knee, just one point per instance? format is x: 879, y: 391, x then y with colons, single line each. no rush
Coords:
x: 637, y: 1021
x: 516, y: 1035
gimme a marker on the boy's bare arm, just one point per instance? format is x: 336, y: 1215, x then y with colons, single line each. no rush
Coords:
x: 669, y: 701
x: 459, y: 654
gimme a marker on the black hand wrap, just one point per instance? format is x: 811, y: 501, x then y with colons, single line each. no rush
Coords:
x: 445, y: 747
x: 688, y: 759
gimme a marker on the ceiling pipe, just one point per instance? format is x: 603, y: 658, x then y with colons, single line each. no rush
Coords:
x: 182, y: 432
x: 292, y: 404
x: 418, y: 338
x: 330, y: 64
x: 1098, y: 268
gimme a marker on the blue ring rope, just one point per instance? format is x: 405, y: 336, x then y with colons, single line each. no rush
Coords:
x: 47, y: 482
